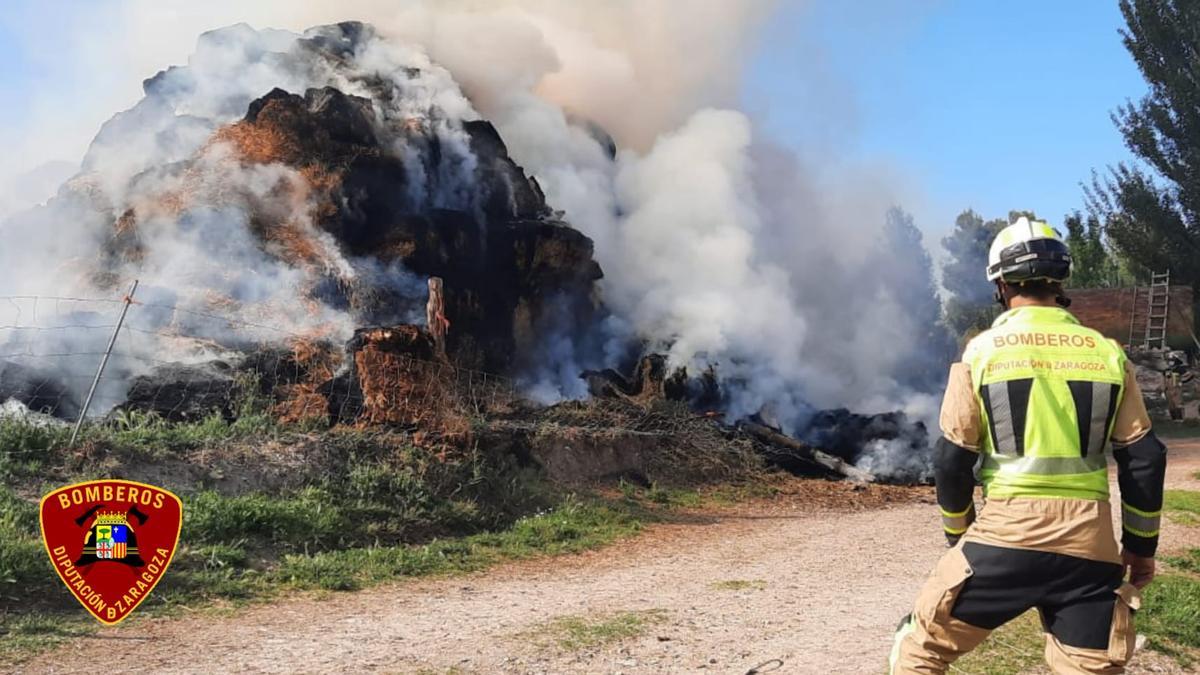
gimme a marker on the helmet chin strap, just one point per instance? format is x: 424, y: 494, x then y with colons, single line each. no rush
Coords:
x: 999, y: 297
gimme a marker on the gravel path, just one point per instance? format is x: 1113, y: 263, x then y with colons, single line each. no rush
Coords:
x: 826, y: 591
x: 1183, y: 465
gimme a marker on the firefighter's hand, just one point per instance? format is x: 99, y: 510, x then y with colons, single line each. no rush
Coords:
x: 1141, y: 570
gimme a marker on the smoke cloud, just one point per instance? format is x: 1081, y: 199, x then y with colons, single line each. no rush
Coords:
x: 719, y: 247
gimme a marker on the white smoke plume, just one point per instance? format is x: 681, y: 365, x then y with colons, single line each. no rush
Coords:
x: 718, y: 246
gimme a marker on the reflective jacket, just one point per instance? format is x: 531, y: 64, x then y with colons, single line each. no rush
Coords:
x: 1030, y: 411
x: 1048, y: 390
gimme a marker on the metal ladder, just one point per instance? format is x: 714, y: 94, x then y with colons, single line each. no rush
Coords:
x: 1156, y: 319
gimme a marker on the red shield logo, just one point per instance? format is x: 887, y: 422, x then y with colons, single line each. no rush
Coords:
x: 111, y: 542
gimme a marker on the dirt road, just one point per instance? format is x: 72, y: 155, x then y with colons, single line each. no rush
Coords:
x: 821, y: 591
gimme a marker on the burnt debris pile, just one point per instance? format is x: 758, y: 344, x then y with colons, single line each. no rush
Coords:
x: 886, y: 447
x: 890, y: 444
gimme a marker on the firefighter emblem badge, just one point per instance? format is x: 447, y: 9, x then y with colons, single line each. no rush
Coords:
x: 111, y: 542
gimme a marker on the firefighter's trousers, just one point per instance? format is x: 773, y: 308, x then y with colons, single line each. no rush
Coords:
x: 1085, y: 606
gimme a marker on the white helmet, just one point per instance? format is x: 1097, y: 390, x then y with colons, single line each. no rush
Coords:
x: 1028, y: 250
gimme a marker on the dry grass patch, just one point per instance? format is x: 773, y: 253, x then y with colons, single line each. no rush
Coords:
x: 582, y: 632
x: 739, y: 585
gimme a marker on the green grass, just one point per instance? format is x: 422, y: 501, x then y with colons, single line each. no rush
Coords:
x: 365, y: 506
x: 148, y: 431
x: 206, y: 573
x: 29, y: 633
x: 572, y: 527
x: 378, y: 492
x: 582, y: 632
x: 1013, y: 648
x: 26, y: 446
x: 382, y: 509
x: 28, y: 450
x: 25, y: 570
x: 1187, y: 562
x: 1170, y: 615
x: 1182, y: 506
x: 1182, y: 500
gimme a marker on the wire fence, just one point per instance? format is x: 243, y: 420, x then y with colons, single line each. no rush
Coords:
x: 177, y: 364
x: 182, y: 364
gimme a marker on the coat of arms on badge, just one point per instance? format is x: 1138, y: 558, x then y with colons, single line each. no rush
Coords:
x: 111, y: 542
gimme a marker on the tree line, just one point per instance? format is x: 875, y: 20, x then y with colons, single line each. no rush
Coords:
x: 1138, y: 216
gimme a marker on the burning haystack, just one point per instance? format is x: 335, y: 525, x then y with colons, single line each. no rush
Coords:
x: 327, y: 218
x: 365, y: 194
x: 295, y: 214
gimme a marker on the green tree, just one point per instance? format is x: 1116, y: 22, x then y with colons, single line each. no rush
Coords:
x: 969, y: 294
x: 1093, y: 266
x: 1152, y: 212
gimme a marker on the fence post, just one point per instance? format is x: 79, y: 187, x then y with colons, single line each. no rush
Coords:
x: 104, y: 361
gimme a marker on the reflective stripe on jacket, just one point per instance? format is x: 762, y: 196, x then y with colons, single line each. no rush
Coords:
x: 1048, y: 390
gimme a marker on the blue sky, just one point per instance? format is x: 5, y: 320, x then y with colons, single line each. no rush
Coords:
x: 16, y: 74
x: 982, y: 104
x: 988, y: 105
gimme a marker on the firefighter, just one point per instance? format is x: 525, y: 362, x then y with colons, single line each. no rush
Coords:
x: 1034, y: 402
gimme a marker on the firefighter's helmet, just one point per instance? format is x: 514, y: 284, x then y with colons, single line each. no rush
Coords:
x: 1028, y: 250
